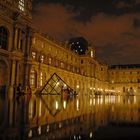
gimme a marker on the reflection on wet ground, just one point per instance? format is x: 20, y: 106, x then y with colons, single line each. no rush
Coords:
x: 83, y: 117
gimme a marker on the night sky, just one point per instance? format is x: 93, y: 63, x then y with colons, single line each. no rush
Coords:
x: 112, y: 26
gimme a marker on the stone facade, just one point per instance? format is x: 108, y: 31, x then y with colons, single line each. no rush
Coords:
x: 30, y: 57
x: 124, y: 78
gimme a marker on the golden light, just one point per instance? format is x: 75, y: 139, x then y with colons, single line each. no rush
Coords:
x: 56, y: 105
x: 39, y: 130
x: 77, y: 104
x: 30, y: 134
x: 91, y: 135
x: 64, y: 104
x: 40, y: 108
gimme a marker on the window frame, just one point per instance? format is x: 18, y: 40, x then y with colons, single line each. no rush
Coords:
x: 4, y: 38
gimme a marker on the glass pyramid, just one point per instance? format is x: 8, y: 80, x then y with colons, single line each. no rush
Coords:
x: 55, y: 86
x: 55, y: 94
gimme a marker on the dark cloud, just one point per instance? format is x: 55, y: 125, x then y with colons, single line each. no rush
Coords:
x: 119, y: 54
x: 114, y: 36
x: 136, y: 23
x: 131, y: 35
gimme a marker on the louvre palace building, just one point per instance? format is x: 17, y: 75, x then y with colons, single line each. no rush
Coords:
x: 31, y: 58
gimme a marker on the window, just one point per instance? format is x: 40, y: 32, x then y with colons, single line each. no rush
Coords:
x: 21, y: 5
x: 33, y: 55
x: 33, y: 78
x: 21, y: 44
x: 3, y: 38
x: 92, y: 54
x: 50, y: 60
x: 42, y: 45
x: 41, y: 79
x: 62, y: 65
x: 42, y: 58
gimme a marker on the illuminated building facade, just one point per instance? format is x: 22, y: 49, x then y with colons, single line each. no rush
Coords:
x: 30, y: 57
x: 125, y: 78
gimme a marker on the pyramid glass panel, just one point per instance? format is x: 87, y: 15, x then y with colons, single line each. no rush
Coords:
x: 55, y: 85
x: 56, y: 91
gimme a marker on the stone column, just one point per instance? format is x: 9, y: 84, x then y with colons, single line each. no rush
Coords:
x: 15, y: 38
x: 11, y: 92
x: 19, y: 38
x: 27, y: 56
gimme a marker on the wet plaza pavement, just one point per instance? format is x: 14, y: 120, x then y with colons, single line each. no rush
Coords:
x: 54, y: 117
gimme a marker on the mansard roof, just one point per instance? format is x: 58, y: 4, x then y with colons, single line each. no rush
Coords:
x: 125, y: 66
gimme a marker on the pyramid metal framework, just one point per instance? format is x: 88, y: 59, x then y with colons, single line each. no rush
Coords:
x: 54, y: 86
x: 53, y: 89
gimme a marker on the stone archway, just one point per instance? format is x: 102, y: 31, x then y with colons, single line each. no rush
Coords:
x: 3, y: 88
x: 3, y: 77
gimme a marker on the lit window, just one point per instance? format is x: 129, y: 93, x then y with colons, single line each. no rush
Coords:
x: 33, y: 78
x: 39, y: 130
x: 3, y: 38
x: 30, y: 133
x: 77, y: 105
x: 50, y: 60
x: 91, y: 53
x: 33, y: 55
x: 62, y: 65
x: 42, y: 58
x: 56, y: 105
x: 21, y: 5
x: 41, y: 79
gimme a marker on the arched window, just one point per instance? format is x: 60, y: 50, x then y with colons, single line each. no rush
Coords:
x: 3, y: 38
x: 3, y: 77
